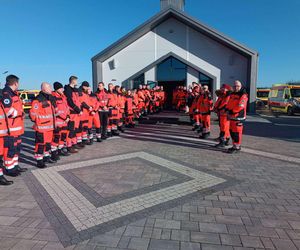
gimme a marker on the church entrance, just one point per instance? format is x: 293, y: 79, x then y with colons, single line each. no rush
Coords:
x: 171, y: 73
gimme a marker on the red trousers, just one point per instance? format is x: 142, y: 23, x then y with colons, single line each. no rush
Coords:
x: 60, y: 136
x: 113, y: 119
x: 206, y: 124
x: 236, y: 132
x: 197, y: 119
x: 11, y: 147
x: 73, y: 126
x: 224, y: 127
x: 43, y: 141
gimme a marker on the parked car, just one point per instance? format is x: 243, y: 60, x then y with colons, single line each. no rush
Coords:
x: 285, y: 98
x: 262, y: 96
x: 27, y: 97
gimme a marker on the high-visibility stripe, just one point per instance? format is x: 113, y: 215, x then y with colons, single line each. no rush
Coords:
x: 2, y: 116
x: 45, y: 127
x: 10, y: 167
x: 45, y: 116
x: 10, y: 111
x: 3, y: 131
x: 15, y: 129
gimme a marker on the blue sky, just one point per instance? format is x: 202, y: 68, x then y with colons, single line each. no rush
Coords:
x: 42, y: 40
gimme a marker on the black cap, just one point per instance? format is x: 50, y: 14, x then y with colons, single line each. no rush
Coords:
x: 85, y: 84
x: 57, y: 85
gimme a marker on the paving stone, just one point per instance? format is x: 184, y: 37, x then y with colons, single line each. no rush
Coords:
x: 138, y: 243
x: 106, y: 240
x: 275, y: 223
x: 251, y: 241
x: 27, y: 233
x: 46, y: 235
x: 267, y: 243
x: 230, y: 239
x: 205, y: 237
x: 295, y: 224
x: 133, y: 231
x: 190, y: 225
x: 229, y: 220
x: 163, y: 245
x: 190, y: 246
x: 283, y: 244
x: 166, y: 234
x: 262, y: 231
x: 7, y: 220
x: 180, y: 235
x: 212, y: 228
x: 171, y: 224
x: 215, y: 247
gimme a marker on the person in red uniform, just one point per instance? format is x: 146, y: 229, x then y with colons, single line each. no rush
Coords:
x: 196, y: 116
x: 220, y: 109
x: 129, y: 110
x: 94, y: 118
x: 13, y: 108
x: 71, y: 93
x: 121, y: 107
x: 102, y: 96
x: 86, y: 108
x: 3, y: 133
x: 236, y: 109
x: 42, y: 113
x: 112, y: 128
x: 61, y: 131
x: 205, y: 108
x: 141, y: 100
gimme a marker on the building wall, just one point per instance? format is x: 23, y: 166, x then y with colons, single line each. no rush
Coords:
x: 210, y: 57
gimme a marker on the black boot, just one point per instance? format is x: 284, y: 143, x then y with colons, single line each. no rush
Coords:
x: 21, y: 170
x: 104, y: 137
x: 12, y: 172
x: 121, y: 129
x: 40, y: 164
x: 99, y: 139
x: 72, y: 150
x: 221, y: 144
x: 87, y: 142
x: 196, y: 127
x: 48, y: 159
x: 227, y: 142
x: 55, y: 156
x: 204, y: 135
x: 4, y: 181
x: 61, y: 152
x: 115, y: 133
x: 109, y: 134
x: 233, y: 150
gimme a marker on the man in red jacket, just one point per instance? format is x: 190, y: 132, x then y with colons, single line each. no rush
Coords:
x: 220, y: 109
x: 43, y: 114
x: 205, y: 107
x: 13, y: 108
x: 61, y: 131
x: 102, y: 96
x: 236, y: 110
x: 71, y: 93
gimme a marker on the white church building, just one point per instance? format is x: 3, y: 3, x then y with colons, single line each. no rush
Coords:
x: 172, y: 49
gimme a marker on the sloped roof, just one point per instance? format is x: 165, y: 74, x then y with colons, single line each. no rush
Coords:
x: 181, y: 16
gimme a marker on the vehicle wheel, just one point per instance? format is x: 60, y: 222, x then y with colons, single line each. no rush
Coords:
x: 290, y: 111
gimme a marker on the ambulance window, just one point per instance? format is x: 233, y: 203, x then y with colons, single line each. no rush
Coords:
x: 280, y: 93
x: 295, y: 92
x: 287, y: 94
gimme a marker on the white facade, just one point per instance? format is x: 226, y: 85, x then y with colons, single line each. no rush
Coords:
x: 221, y: 61
x: 212, y: 58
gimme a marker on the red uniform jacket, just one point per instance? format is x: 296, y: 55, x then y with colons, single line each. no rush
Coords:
x: 237, y: 105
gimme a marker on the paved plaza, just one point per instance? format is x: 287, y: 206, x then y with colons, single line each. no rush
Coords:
x: 159, y: 187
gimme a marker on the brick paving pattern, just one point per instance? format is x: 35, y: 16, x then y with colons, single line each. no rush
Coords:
x: 258, y: 209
